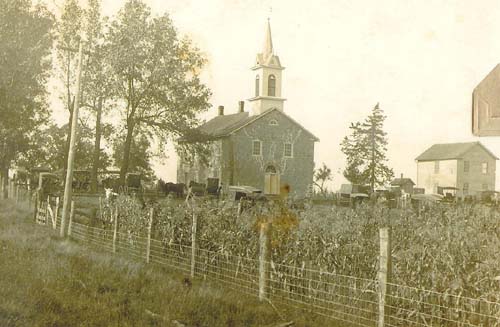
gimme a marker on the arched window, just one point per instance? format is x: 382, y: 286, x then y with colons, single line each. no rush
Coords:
x: 271, y: 86
x: 257, y: 85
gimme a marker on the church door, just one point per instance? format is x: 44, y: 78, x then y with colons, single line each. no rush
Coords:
x: 271, y: 181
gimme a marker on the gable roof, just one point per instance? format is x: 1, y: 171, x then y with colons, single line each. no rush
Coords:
x: 267, y: 112
x: 450, y: 151
x: 222, y: 126
x: 402, y: 181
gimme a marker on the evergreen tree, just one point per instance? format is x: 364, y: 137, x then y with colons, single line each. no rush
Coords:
x: 321, y: 176
x: 365, y: 150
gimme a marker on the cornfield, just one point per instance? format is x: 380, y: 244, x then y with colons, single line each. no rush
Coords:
x: 451, y: 252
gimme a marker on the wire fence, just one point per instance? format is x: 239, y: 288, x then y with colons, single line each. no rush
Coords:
x: 347, y: 300
x: 410, y: 306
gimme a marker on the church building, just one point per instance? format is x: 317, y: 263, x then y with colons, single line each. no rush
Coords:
x: 264, y: 148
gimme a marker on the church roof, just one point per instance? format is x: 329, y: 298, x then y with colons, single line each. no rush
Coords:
x: 222, y: 126
x: 449, y: 151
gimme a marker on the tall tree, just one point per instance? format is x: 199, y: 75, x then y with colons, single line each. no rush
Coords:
x: 366, y: 149
x: 69, y: 30
x: 26, y: 41
x: 96, y: 78
x: 156, y: 74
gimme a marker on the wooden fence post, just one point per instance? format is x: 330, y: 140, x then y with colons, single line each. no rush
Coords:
x: 148, y: 245
x: 115, y: 231
x: 384, y: 274
x: 71, y: 214
x: 239, y: 208
x: 35, y: 211
x: 17, y: 193
x: 193, y: 243
x: 263, y: 259
x: 48, y: 209
x: 56, y: 211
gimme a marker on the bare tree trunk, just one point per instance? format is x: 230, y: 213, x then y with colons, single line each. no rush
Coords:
x: 126, y: 153
x: 68, y: 135
x: 97, y: 148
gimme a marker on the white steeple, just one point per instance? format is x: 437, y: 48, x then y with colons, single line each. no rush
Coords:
x: 268, y: 43
x: 267, y: 78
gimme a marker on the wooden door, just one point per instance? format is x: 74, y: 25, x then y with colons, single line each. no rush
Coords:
x: 271, y: 181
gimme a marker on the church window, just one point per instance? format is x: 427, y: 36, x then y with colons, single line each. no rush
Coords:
x: 257, y: 148
x: 257, y: 85
x: 273, y: 122
x: 288, y: 150
x: 484, y: 168
x: 271, y: 86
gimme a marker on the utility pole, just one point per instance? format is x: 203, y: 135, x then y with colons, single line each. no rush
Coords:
x: 71, y: 152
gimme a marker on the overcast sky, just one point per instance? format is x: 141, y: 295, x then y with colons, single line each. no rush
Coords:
x: 419, y: 59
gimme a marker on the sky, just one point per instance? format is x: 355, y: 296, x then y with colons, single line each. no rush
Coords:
x: 419, y: 59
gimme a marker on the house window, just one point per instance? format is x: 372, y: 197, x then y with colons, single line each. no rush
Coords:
x: 271, y: 86
x: 257, y: 148
x: 288, y: 150
x: 257, y: 85
x: 436, y: 167
x: 466, y: 188
x: 484, y: 167
x: 466, y: 166
x: 485, y: 187
x: 273, y: 122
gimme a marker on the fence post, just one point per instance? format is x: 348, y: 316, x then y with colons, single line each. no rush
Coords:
x: 17, y: 194
x: 29, y: 194
x: 239, y: 208
x: 384, y: 274
x: 193, y: 243
x: 47, y: 207
x: 71, y: 214
x: 263, y: 259
x: 56, y: 211
x: 35, y: 211
x: 115, y: 231
x: 148, y: 245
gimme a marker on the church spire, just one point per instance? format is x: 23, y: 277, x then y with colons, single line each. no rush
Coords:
x: 267, y: 90
x: 268, y: 42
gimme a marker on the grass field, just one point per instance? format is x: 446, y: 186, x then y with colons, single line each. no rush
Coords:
x: 45, y: 281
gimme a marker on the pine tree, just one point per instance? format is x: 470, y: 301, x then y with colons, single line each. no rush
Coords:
x: 365, y: 150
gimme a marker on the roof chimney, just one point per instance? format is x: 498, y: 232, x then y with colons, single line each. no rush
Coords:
x: 241, y: 106
x: 221, y: 110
